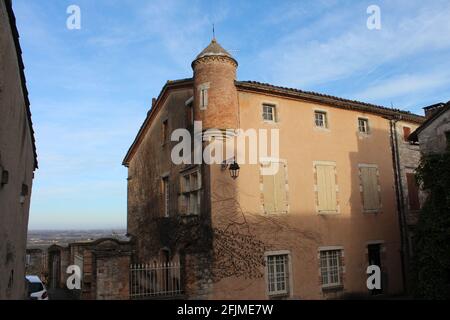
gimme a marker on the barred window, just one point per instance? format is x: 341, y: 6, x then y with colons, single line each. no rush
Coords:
x: 330, y: 268
x: 277, y: 274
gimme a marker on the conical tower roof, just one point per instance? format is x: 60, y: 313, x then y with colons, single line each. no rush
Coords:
x: 214, y: 49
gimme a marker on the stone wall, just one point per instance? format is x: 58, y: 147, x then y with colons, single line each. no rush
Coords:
x: 105, y: 268
x: 409, y: 156
x: 432, y: 139
x: 36, y: 263
x: 112, y: 277
x: 17, y: 164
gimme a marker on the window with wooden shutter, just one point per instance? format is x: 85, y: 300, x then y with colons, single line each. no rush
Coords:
x: 274, y: 191
x: 326, y: 187
x: 413, y: 192
x: 369, y: 187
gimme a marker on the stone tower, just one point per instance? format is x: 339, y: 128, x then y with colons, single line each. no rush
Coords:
x: 215, y: 94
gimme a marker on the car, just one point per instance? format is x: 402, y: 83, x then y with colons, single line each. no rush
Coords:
x: 36, y: 289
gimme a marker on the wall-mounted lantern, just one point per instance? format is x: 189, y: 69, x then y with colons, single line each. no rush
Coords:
x: 234, y: 170
x: 232, y: 166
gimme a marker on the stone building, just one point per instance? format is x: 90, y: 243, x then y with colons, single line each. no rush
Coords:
x: 17, y: 158
x: 37, y: 263
x: 58, y: 259
x: 310, y: 228
x: 406, y: 158
x: 104, y: 265
x: 433, y: 135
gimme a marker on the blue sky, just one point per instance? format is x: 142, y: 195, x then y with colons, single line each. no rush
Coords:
x: 90, y: 89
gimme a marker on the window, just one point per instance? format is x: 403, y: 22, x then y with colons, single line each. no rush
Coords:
x: 23, y: 194
x: 325, y: 176
x: 363, y: 125
x: 269, y: 112
x: 321, y: 119
x: 277, y: 274
x: 165, y: 131
x: 274, y: 189
x: 330, y: 268
x: 165, y: 186
x: 406, y: 133
x: 203, y: 98
x: 413, y: 192
x: 190, y: 193
x: 369, y: 187
x: 190, y: 115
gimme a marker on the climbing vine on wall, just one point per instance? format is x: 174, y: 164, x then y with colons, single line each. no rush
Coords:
x: 432, y: 235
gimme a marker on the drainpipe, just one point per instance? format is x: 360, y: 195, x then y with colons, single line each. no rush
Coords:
x: 400, y: 196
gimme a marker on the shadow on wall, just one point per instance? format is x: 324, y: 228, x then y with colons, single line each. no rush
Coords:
x: 373, y: 206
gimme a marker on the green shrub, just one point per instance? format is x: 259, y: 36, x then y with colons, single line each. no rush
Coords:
x: 431, y: 263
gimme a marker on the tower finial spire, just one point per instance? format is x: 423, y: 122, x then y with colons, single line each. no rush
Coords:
x: 214, y: 33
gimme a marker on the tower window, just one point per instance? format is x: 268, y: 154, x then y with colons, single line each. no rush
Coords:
x: 269, y: 112
x: 203, y: 98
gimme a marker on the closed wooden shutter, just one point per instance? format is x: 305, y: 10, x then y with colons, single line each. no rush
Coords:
x: 269, y: 193
x: 280, y: 189
x: 413, y: 192
x: 326, y: 187
x: 369, y: 182
x: 274, y: 191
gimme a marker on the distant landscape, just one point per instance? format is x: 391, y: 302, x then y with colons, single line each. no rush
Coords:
x: 45, y: 238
